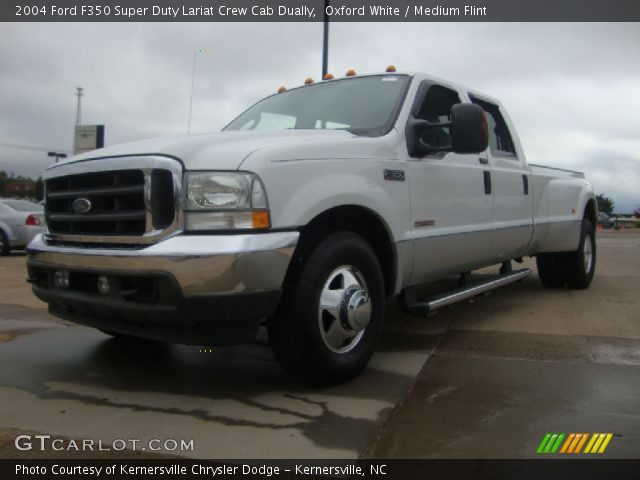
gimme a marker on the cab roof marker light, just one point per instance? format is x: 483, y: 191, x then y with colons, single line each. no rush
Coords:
x: 351, y: 73
x: 282, y: 88
x: 328, y: 76
x: 308, y: 81
x: 391, y: 69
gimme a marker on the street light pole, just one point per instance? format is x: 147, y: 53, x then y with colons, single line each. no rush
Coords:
x: 57, y: 155
x: 325, y: 41
x: 193, y: 77
x: 79, y: 93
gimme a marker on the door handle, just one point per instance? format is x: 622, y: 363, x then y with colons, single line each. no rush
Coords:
x: 487, y: 182
x: 483, y: 160
x: 525, y: 184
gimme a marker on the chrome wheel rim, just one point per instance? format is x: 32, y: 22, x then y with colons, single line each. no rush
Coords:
x: 344, y: 310
x: 587, y: 253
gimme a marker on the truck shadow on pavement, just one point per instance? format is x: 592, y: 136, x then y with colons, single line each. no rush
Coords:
x: 69, y: 373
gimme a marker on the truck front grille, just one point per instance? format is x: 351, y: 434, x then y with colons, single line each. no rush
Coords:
x: 118, y: 203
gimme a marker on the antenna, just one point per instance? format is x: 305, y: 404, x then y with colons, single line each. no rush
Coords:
x: 79, y: 93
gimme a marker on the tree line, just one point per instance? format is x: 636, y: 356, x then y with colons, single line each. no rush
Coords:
x: 9, y: 179
x: 606, y: 205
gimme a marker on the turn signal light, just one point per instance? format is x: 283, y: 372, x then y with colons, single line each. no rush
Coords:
x: 351, y: 73
x: 391, y: 69
x: 260, y: 219
x: 32, y: 220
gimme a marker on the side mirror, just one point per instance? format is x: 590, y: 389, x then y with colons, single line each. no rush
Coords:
x: 469, y: 132
x: 469, y: 128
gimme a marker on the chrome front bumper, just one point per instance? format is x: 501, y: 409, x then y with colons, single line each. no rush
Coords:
x: 200, y: 289
x: 201, y: 264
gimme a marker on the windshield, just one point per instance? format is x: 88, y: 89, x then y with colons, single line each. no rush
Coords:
x: 365, y: 105
x: 23, y: 206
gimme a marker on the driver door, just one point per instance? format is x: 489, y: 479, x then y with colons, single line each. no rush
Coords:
x: 451, y: 197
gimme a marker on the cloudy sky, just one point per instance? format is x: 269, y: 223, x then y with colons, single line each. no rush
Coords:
x: 573, y: 90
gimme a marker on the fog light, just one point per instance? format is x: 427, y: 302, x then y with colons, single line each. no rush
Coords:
x: 61, y: 279
x: 103, y: 285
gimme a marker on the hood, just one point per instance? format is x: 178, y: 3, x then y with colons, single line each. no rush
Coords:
x: 218, y: 151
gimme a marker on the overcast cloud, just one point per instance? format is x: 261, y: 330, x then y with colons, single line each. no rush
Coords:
x: 573, y: 90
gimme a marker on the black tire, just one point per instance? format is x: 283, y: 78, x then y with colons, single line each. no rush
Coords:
x: 551, y: 269
x: 5, y: 248
x: 579, y: 270
x: 299, y: 331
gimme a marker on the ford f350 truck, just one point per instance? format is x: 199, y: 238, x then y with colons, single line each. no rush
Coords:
x: 307, y: 212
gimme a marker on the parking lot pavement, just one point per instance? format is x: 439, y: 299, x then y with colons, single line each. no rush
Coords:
x: 483, y: 379
x: 232, y: 402
x: 77, y: 383
x: 525, y: 361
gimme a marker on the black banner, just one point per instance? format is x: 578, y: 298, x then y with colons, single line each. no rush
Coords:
x: 315, y: 11
x: 314, y: 469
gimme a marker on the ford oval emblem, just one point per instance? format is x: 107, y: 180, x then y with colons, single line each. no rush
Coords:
x: 81, y: 205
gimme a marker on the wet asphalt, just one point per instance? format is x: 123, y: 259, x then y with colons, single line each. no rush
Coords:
x: 481, y: 379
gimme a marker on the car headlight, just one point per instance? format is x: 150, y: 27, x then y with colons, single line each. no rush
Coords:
x: 225, y: 201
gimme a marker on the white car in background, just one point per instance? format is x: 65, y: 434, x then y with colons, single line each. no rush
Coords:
x: 20, y: 221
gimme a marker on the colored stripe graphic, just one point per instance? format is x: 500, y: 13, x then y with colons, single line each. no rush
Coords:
x: 581, y: 442
x: 543, y: 443
x: 591, y: 442
x: 553, y: 442
x: 550, y: 443
x: 606, y: 441
x: 555, y: 447
x: 576, y: 439
x: 567, y: 443
x: 598, y: 443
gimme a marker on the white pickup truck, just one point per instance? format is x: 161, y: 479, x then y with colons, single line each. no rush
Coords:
x: 308, y: 210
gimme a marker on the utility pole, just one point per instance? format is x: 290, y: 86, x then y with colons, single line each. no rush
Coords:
x: 325, y: 41
x: 79, y: 94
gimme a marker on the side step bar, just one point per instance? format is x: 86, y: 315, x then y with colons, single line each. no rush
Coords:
x: 422, y: 309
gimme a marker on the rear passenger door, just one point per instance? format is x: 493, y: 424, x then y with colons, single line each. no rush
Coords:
x: 510, y: 183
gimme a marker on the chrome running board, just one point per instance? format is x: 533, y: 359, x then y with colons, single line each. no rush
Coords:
x: 422, y: 309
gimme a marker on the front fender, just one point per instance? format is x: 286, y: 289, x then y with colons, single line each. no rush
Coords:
x: 299, y: 191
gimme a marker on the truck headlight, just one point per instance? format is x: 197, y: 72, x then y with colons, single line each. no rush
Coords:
x: 225, y: 201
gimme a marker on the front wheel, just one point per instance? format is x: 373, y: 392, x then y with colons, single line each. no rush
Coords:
x: 329, y: 319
